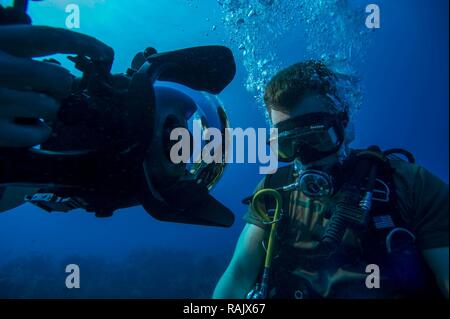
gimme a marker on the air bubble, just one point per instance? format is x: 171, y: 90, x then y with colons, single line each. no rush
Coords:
x: 331, y: 30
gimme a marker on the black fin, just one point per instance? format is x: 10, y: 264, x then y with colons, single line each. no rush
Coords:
x: 210, y: 212
x: 205, y: 68
x: 186, y: 203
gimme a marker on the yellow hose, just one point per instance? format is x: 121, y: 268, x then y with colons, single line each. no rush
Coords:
x: 267, y: 219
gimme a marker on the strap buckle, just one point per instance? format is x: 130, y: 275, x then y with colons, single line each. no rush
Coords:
x: 381, y: 191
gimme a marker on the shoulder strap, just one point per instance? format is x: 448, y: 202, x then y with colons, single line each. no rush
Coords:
x: 282, y: 177
x: 385, y: 215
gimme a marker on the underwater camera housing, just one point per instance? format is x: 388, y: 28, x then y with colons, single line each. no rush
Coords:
x: 109, y: 144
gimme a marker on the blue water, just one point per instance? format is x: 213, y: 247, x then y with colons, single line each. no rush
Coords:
x: 404, y: 77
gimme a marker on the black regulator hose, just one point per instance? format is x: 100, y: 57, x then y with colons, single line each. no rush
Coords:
x: 351, y: 210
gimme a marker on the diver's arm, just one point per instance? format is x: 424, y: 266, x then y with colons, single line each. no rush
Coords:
x: 241, y: 274
x: 11, y: 197
x: 437, y: 259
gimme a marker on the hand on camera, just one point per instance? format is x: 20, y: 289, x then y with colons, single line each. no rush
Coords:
x: 30, y: 90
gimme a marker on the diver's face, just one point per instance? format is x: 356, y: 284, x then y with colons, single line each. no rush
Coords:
x: 311, y: 103
x: 316, y: 146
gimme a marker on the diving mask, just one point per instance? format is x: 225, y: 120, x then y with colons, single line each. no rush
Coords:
x: 310, y: 137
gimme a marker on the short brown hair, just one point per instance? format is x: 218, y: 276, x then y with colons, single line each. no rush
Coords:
x: 288, y: 86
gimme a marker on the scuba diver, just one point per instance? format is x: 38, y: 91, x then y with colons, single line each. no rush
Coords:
x: 337, y: 222
x: 101, y: 142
